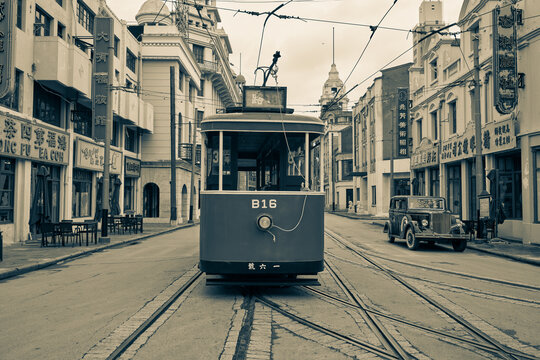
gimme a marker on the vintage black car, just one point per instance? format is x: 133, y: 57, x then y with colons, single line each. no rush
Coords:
x: 424, y: 218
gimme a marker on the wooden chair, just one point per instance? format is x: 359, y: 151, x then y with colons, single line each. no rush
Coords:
x: 65, y: 229
x: 48, y: 230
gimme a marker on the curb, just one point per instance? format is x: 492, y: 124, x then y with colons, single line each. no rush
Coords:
x: 40, y: 265
x: 508, y: 256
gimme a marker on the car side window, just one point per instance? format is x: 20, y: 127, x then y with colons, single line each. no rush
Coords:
x: 403, y: 204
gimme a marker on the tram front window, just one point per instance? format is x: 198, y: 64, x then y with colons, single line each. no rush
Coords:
x: 260, y: 161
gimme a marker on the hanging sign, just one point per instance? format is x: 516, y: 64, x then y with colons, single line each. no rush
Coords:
x: 402, y: 122
x: 6, y: 41
x: 102, y: 79
x: 505, y: 74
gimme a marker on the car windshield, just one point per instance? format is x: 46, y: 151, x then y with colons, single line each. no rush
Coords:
x: 426, y: 203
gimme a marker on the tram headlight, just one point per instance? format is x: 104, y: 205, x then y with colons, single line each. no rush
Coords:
x: 264, y: 222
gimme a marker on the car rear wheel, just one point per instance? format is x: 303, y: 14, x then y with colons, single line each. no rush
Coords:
x: 459, y: 245
x: 412, y: 241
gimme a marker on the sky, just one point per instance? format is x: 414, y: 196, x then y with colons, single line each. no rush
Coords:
x: 306, y: 45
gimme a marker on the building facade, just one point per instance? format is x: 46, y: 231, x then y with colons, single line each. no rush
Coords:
x: 189, y: 41
x: 337, y: 142
x: 443, y: 112
x: 51, y: 165
x: 381, y: 143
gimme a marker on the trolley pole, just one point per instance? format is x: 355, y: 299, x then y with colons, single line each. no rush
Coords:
x: 173, y: 146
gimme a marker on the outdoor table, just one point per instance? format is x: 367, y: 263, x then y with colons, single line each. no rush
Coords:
x: 87, y: 227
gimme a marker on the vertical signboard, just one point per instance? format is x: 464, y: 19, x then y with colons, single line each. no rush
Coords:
x: 103, y: 38
x: 505, y: 75
x: 402, y: 122
x: 6, y: 40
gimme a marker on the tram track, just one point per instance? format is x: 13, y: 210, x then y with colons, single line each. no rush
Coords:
x: 492, y: 345
x: 117, y: 343
x: 522, y: 301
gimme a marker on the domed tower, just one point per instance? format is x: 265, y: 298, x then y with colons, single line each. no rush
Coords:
x: 330, y: 88
x: 154, y: 12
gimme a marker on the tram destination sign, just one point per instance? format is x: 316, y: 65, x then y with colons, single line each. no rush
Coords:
x: 267, y: 97
x: 25, y: 140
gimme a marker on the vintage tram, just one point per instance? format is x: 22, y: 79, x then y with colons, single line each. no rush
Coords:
x: 262, y: 200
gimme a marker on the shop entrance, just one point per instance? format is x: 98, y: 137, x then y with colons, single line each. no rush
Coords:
x: 45, y: 198
x: 151, y: 200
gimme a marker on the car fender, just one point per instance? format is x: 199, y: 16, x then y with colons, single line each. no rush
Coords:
x: 406, y: 222
x: 386, y: 228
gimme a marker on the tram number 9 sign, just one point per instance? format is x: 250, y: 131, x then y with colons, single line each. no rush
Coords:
x: 263, y: 204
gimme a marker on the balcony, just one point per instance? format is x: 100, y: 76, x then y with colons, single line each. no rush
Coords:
x: 185, y: 152
x: 61, y: 63
x: 215, y: 72
x: 133, y: 110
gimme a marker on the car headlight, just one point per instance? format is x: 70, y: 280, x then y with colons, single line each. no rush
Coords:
x: 264, y: 222
x: 425, y: 223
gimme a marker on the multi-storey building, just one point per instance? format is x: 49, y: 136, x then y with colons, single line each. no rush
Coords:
x: 46, y: 119
x: 189, y: 40
x: 444, y: 105
x: 337, y: 143
x: 377, y: 138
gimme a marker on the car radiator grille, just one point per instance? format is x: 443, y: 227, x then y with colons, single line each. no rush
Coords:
x: 441, y: 223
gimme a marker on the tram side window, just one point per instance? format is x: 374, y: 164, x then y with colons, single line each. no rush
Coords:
x: 212, y: 163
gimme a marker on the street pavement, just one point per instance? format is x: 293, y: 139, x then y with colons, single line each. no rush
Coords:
x: 19, y: 259
x: 507, y: 248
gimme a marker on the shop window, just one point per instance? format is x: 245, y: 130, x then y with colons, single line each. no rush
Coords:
x: 129, y: 194
x: 130, y: 143
x: 42, y: 24
x: 7, y: 186
x: 82, y: 193
x: 46, y: 105
x: 85, y: 17
x: 510, y: 190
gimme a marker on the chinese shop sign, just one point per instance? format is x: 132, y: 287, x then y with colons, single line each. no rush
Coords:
x: 6, y: 53
x: 103, y: 39
x: 505, y: 59
x: 25, y: 140
x: 132, y: 167
x: 90, y: 156
x: 402, y: 122
x: 425, y: 155
x: 496, y: 136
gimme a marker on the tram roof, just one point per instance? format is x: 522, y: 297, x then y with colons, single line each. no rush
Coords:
x: 262, y: 122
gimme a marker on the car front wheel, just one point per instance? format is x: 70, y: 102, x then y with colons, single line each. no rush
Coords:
x: 412, y: 241
x: 459, y: 245
x: 391, y: 237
